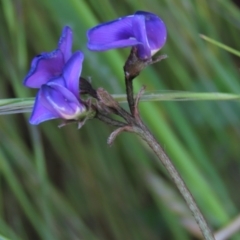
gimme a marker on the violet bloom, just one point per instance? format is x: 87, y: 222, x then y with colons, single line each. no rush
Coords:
x: 59, y: 97
x: 48, y: 65
x: 144, y: 30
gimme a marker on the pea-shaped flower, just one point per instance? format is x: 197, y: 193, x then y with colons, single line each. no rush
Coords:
x: 144, y: 30
x: 48, y: 65
x: 59, y: 97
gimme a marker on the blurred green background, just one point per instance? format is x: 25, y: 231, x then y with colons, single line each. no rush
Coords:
x: 67, y: 183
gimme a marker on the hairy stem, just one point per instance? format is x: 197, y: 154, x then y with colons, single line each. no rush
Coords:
x: 132, y: 68
x: 145, y: 134
x: 130, y: 96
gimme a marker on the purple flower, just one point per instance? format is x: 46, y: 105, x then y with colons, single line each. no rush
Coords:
x: 48, y: 65
x: 59, y: 97
x: 144, y: 30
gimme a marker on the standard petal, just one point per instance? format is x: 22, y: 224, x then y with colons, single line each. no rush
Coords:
x: 40, y: 113
x: 72, y: 71
x: 139, y: 29
x: 65, y: 43
x: 44, y: 67
x: 60, y: 100
x: 114, y: 34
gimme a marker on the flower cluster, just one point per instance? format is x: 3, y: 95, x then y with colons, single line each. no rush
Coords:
x: 56, y: 74
x: 144, y: 30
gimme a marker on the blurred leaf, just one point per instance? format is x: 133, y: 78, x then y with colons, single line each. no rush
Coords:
x: 221, y: 45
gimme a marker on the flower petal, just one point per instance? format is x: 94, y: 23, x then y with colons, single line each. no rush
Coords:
x: 40, y: 113
x: 140, y: 33
x: 44, y: 67
x: 72, y: 71
x: 155, y: 29
x: 65, y: 43
x: 55, y: 101
x: 61, y: 101
x: 143, y: 29
x: 114, y: 34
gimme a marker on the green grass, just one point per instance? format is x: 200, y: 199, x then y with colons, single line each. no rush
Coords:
x: 67, y: 183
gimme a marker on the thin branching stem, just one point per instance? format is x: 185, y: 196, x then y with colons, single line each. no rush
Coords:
x: 146, y: 135
x: 132, y: 68
x: 130, y: 96
x: 109, y: 120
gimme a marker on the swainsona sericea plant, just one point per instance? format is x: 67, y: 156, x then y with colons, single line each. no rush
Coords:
x: 144, y: 30
x: 57, y: 73
x: 57, y: 76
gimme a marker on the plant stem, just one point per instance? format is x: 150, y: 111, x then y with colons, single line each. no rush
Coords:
x: 129, y: 91
x: 145, y: 134
x: 109, y: 120
x: 132, y: 68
